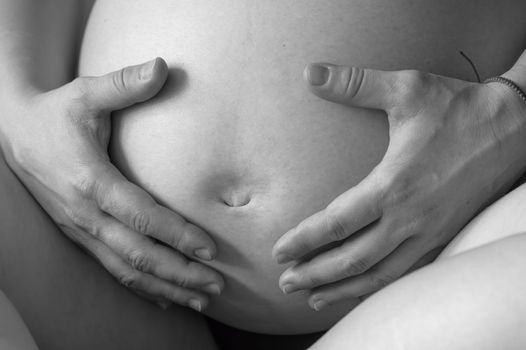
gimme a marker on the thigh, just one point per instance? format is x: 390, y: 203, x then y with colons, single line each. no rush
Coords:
x: 67, y: 300
x: 472, y: 297
x: 503, y: 218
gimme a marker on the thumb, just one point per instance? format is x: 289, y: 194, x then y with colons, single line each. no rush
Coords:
x: 353, y: 86
x: 125, y: 87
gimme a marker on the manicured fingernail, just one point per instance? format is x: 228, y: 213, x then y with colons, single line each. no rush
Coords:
x: 317, y: 74
x: 288, y: 288
x: 283, y: 258
x: 213, y: 288
x: 318, y: 305
x: 146, y: 71
x: 195, y: 304
x: 164, y: 304
x: 203, y: 253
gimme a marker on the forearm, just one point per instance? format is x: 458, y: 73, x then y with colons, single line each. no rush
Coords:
x: 39, y: 44
x: 13, y: 332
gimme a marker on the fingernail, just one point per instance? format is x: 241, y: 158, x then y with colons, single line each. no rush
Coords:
x: 147, y: 69
x: 203, y: 253
x: 317, y: 74
x: 318, y: 305
x: 213, y: 288
x: 288, y: 288
x: 195, y: 304
x: 283, y: 258
x: 164, y: 305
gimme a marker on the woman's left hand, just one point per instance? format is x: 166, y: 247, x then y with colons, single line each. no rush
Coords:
x: 454, y: 147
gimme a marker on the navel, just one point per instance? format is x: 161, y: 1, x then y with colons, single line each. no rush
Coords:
x: 236, y: 198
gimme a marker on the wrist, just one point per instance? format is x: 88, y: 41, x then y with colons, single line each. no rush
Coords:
x: 517, y: 73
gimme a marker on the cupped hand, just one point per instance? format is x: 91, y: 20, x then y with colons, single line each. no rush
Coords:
x: 454, y: 146
x: 57, y: 142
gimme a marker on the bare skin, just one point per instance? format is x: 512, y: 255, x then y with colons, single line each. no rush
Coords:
x: 234, y: 184
x: 471, y: 298
x: 238, y: 146
x: 384, y: 223
x: 73, y: 178
x: 77, y: 305
x: 480, y: 270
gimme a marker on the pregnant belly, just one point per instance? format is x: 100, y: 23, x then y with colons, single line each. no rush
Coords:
x: 237, y: 145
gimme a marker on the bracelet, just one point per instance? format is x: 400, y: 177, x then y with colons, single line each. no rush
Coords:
x: 509, y: 83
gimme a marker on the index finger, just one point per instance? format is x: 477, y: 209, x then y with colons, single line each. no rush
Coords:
x: 134, y: 207
x: 348, y: 213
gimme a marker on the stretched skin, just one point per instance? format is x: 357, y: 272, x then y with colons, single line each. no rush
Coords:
x: 236, y: 143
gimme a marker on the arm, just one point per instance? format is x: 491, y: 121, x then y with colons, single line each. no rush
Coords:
x: 54, y: 135
x: 14, y: 334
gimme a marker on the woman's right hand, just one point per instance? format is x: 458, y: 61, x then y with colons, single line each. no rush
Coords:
x: 56, y: 142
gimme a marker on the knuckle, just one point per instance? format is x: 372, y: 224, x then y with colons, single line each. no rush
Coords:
x: 106, y: 196
x: 352, y: 79
x: 409, y: 224
x: 90, y: 184
x: 412, y: 84
x: 352, y: 266
x: 182, y: 280
x: 398, y: 190
x: 142, y: 222
x: 176, y: 239
x: 411, y: 228
x: 413, y: 79
x: 309, y: 279
x: 119, y: 81
x: 80, y: 89
x: 84, y: 185
x: 97, y: 232
x: 129, y: 279
x: 379, y: 280
x: 79, y: 219
x: 180, y: 236
x: 140, y: 261
x: 106, y: 190
x: 336, y: 229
